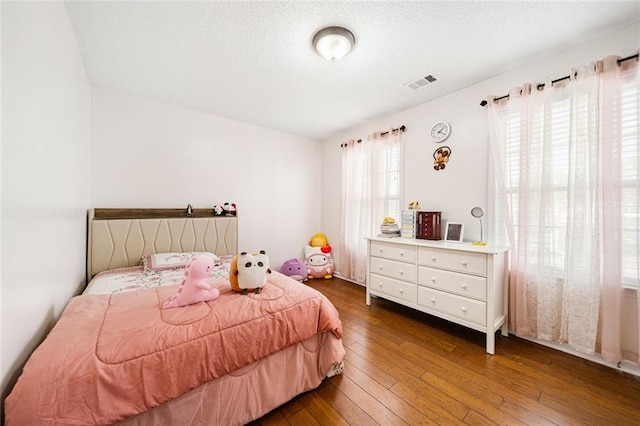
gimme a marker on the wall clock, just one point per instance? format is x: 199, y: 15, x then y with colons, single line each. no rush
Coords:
x: 440, y: 131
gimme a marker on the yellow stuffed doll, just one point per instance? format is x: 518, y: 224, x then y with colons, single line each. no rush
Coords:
x: 318, y: 240
x: 248, y: 272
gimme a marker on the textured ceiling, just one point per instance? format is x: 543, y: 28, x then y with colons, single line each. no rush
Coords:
x: 253, y: 61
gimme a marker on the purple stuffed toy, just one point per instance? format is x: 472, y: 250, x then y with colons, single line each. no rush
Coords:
x: 295, y: 269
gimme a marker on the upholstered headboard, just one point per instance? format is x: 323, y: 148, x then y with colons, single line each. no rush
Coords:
x: 118, y: 238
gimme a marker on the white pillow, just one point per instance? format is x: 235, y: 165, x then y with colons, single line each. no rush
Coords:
x: 168, y: 261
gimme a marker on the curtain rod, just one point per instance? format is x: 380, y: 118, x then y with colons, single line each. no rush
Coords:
x: 401, y: 128
x: 541, y: 85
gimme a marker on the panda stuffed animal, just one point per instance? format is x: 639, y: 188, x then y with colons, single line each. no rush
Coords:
x: 248, y: 272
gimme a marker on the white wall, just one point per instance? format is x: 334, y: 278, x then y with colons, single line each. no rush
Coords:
x: 2, y: 371
x: 464, y: 182
x: 148, y: 154
x: 45, y: 175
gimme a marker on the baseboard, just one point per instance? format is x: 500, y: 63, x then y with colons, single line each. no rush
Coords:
x: 339, y: 275
x: 624, y: 365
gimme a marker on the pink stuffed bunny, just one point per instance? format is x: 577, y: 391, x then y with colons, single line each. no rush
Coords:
x: 195, y: 286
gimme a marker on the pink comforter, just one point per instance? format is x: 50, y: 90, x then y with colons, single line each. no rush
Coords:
x: 113, y: 356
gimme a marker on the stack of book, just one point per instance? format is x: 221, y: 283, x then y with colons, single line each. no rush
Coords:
x: 389, y: 228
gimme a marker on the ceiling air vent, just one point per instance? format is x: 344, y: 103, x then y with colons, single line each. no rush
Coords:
x: 421, y: 82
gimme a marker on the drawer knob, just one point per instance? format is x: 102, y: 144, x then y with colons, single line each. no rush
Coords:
x: 433, y: 300
x: 463, y: 309
x: 401, y: 253
x: 380, y: 267
x: 464, y: 262
x: 433, y: 279
x: 381, y: 250
x: 380, y: 285
x: 464, y: 286
x: 401, y: 290
x: 433, y: 258
x: 401, y: 272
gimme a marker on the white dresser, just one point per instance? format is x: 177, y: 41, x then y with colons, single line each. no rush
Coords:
x: 460, y: 282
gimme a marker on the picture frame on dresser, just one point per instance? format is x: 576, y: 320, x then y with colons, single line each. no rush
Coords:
x: 454, y: 232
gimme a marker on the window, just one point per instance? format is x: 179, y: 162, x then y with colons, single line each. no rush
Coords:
x: 630, y: 174
x: 371, y: 191
x: 389, y: 195
x: 537, y: 148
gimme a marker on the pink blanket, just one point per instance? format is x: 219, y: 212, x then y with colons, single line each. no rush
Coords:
x: 113, y: 356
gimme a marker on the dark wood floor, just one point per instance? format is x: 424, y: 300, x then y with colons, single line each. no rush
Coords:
x: 405, y: 367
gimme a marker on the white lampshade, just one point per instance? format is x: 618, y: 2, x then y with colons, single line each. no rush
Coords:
x: 333, y: 43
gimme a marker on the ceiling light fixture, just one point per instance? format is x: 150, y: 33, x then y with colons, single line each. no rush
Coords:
x: 333, y: 43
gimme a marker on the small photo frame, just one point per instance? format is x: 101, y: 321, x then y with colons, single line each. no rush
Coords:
x: 454, y: 232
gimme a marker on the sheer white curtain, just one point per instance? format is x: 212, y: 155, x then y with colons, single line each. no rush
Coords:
x: 620, y: 121
x: 563, y: 156
x: 371, y: 186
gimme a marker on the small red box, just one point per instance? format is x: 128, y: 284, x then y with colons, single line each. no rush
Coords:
x: 428, y: 225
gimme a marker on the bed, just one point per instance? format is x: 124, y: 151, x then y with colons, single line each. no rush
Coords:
x: 115, y: 356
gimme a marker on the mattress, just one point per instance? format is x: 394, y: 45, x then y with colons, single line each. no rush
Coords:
x: 142, y: 277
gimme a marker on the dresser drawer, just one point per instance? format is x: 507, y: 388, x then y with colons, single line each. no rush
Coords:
x: 391, y: 268
x: 461, y: 261
x: 391, y: 251
x: 457, y: 306
x: 396, y: 288
x: 453, y: 282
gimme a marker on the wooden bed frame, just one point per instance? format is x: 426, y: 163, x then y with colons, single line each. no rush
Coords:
x: 118, y: 238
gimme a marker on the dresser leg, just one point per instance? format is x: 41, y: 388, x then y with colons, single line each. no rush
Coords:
x: 491, y: 342
x: 368, y: 298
